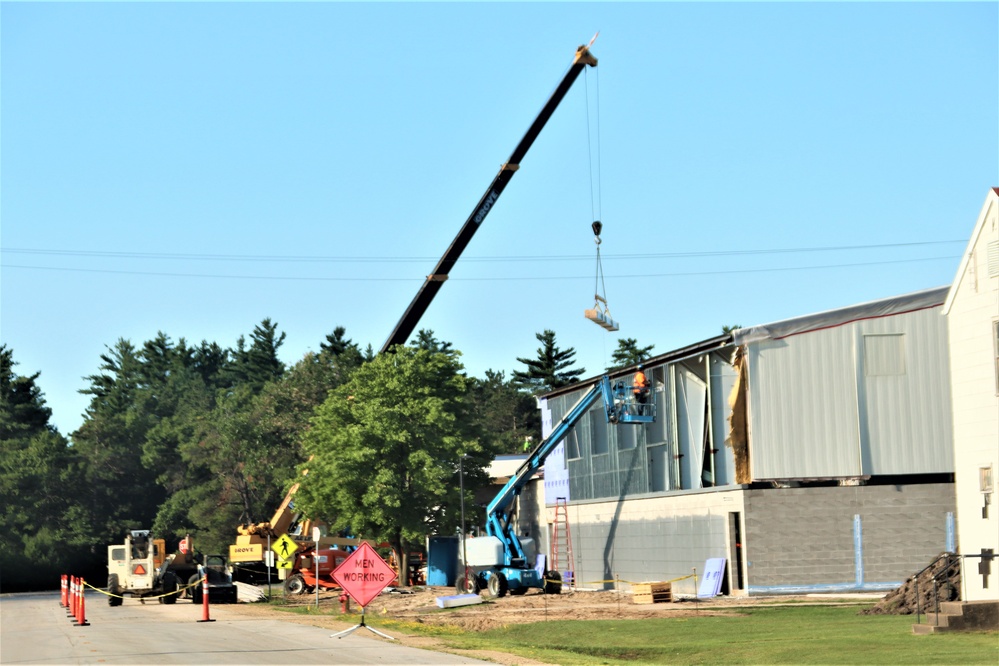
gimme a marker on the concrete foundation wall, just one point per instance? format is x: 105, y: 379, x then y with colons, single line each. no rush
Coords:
x: 651, y: 539
x: 788, y: 540
x: 863, y: 537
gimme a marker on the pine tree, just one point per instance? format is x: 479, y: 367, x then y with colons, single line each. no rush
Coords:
x: 23, y: 412
x: 551, y: 369
x: 504, y: 414
x: 336, y: 343
x: 258, y: 364
x: 628, y: 353
x: 425, y: 339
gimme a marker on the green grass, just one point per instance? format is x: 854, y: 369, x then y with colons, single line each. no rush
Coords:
x: 786, y: 635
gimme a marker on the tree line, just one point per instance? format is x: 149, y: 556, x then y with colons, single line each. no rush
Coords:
x: 197, y: 439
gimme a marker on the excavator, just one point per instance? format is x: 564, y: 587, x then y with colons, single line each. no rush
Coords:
x: 252, y: 539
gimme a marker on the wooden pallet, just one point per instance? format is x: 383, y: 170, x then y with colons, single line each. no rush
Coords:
x: 651, y: 593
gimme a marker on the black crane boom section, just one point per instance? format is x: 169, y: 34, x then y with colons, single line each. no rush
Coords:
x: 413, y: 314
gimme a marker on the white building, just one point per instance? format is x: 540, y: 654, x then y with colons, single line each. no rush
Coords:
x: 972, y: 310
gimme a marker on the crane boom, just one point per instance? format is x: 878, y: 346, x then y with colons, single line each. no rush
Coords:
x: 411, y: 317
x: 249, y: 543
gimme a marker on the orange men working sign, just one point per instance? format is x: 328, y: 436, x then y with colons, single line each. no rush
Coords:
x: 364, y: 574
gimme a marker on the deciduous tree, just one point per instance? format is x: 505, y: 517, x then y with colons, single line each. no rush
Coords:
x: 385, y: 447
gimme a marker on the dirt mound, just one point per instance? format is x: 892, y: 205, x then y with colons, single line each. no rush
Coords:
x: 946, y: 570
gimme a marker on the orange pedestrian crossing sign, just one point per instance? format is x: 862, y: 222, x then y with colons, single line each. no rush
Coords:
x: 285, y: 547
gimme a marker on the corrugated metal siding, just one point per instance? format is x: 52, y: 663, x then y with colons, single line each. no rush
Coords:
x: 908, y: 417
x: 829, y: 403
x: 803, y: 406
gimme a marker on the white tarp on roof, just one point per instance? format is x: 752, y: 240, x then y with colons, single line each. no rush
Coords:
x: 505, y: 466
x: 919, y: 300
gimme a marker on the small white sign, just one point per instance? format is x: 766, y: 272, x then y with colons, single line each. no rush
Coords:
x: 714, y: 570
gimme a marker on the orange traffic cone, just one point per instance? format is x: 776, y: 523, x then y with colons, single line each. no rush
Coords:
x: 71, y: 608
x: 63, y: 592
x: 204, y: 600
x: 81, y: 611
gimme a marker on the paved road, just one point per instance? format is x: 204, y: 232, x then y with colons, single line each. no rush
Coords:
x: 34, y: 629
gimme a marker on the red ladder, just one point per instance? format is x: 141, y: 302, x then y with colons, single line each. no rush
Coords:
x: 562, y: 544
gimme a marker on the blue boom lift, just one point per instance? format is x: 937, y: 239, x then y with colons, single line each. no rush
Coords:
x: 506, y: 562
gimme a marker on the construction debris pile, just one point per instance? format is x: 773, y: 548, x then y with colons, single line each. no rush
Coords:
x: 902, y: 600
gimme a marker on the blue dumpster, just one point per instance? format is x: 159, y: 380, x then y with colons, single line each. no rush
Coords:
x: 442, y: 560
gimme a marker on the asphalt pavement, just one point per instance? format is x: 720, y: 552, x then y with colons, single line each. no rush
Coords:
x: 35, y: 629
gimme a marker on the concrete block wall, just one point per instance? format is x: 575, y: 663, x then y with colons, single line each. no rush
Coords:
x: 650, y: 539
x: 806, y: 539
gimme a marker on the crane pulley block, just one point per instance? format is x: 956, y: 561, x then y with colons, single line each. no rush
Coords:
x: 600, y: 313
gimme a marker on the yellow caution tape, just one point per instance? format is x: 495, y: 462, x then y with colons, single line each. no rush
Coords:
x: 169, y: 594
x: 631, y: 582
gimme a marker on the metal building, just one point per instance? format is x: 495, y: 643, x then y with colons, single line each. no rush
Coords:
x: 812, y: 454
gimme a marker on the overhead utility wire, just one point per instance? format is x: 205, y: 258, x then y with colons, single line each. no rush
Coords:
x: 545, y: 258
x: 483, y: 279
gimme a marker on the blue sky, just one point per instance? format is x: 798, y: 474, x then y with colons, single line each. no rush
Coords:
x: 195, y: 168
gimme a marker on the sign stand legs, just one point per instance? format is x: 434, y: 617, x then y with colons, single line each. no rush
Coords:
x: 347, y: 632
x: 363, y: 575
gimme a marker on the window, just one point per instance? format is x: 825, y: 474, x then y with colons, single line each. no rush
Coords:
x: 884, y: 355
x: 118, y: 554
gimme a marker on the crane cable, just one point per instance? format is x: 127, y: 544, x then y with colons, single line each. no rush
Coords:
x: 600, y: 314
x: 595, y: 191
x: 599, y: 289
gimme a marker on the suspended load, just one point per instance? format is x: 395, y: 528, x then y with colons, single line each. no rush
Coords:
x: 600, y: 312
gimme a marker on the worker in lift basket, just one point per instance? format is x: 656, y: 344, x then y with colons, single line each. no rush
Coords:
x: 640, y: 387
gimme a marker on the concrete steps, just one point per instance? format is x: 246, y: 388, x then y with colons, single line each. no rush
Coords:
x: 961, y: 616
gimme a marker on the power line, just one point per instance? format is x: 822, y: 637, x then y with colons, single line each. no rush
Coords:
x: 483, y: 279
x: 471, y: 259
